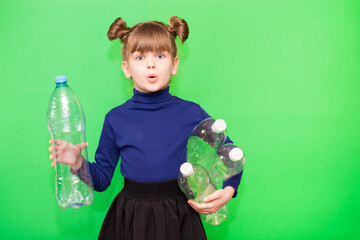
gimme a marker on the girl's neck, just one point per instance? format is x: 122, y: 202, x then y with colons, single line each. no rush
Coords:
x: 152, y: 97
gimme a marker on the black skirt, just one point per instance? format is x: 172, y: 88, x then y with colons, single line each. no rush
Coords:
x: 151, y: 211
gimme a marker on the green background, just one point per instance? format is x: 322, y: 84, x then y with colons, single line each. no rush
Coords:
x: 283, y: 74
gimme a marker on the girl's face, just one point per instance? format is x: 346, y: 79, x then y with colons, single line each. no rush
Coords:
x: 150, y: 71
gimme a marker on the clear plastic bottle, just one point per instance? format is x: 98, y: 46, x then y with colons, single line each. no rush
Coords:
x: 203, y: 141
x: 199, y: 152
x: 196, y: 184
x: 66, y: 121
x: 211, y: 131
x: 230, y: 161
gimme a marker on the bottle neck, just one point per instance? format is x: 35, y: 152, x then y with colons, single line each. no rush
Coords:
x: 64, y: 84
x: 191, y: 176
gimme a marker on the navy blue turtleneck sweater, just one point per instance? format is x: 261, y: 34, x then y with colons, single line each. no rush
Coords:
x: 149, y: 132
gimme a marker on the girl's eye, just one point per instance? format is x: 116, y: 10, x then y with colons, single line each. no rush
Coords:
x: 160, y: 55
x: 139, y: 58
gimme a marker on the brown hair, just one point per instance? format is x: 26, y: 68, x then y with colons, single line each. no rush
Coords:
x: 149, y: 36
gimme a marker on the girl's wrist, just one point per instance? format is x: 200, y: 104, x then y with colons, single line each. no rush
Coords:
x: 229, y: 191
x: 78, y: 163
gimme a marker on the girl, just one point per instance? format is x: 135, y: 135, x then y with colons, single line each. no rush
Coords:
x: 149, y: 132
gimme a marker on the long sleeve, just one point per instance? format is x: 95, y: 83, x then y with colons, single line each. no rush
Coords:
x: 106, y: 158
x: 234, y: 182
x: 83, y: 173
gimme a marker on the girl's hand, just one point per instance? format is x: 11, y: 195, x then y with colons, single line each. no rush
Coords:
x: 66, y: 153
x: 214, y: 201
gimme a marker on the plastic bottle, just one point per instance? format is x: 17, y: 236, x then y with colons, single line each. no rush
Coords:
x: 230, y: 161
x: 203, y: 141
x: 199, y: 152
x: 66, y: 121
x: 196, y: 184
x: 211, y: 131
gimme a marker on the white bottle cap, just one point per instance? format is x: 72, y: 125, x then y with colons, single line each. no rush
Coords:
x: 187, y: 169
x: 236, y: 154
x: 219, y: 126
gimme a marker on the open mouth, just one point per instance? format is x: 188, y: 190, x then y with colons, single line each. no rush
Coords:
x: 152, y: 77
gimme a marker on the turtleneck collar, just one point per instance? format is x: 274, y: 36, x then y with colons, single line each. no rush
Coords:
x: 153, y: 97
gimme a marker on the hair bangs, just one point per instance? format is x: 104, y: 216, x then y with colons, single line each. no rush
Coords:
x: 155, y: 44
x: 151, y: 37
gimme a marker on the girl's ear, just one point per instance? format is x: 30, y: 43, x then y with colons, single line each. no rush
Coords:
x: 125, y: 68
x: 175, y: 65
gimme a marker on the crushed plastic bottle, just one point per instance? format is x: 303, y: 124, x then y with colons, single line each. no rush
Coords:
x: 200, y: 152
x: 66, y: 121
x: 196, y: 184
x: 211, y: 131
x: 229, y: 161
x: 204, y: 140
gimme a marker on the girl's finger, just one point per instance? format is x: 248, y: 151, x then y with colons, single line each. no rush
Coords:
x: 200, y: 207
x: 191, y: 203
x: 55, y: 155
x: 83, y: 145
x: 194, y: 205
x: 57, y: 141
x: 53, y: 148
x: 215, y: 195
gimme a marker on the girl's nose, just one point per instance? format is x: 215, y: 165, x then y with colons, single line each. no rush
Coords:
x: 150, y: 64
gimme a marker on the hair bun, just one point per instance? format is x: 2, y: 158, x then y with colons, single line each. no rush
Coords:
x: 179, y: 27
x: 118, y: 29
